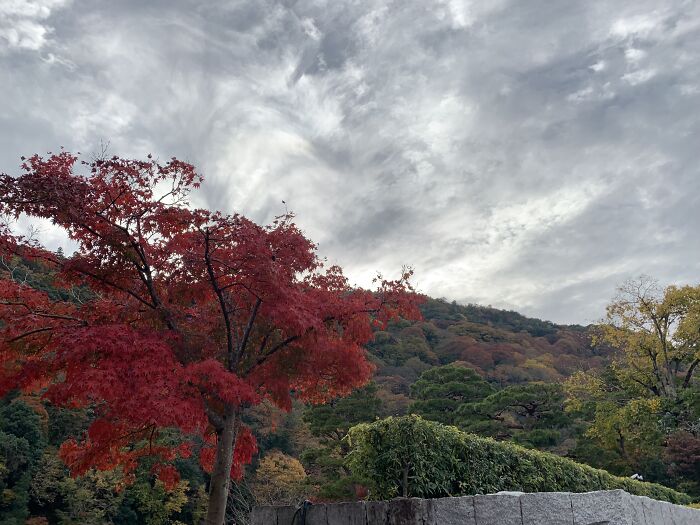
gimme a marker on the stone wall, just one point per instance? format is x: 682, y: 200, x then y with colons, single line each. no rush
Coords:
x: 610, y: 507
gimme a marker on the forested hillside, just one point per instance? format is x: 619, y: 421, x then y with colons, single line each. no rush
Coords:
x: 503, y: 347
x: 491, y: 372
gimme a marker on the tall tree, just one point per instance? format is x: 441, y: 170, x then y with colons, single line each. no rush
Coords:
x: 657, y: 332
x: 22, y: 442
x: 194, y: 317
x: 649, y: 391
x: 279, y: 480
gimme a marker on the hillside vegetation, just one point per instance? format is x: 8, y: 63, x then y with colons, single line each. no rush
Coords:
x: 570, y: 390
x: 503, y: 347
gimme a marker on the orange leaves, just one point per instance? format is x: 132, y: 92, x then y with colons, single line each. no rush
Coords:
x: 208, y: 453
x: 109, y: 445
x: 104, y: 451
x: 333, y: 369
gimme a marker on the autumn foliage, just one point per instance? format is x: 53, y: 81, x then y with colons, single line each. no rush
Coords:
x: 174, y: 316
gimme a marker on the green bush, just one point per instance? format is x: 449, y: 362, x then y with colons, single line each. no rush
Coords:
x: 410, y: 456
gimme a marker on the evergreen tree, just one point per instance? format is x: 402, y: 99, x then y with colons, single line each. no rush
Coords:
x: 530, y: 414
x: 440, y: 391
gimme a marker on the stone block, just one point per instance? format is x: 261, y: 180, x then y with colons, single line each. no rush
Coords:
x: 452, y: 511
x: 636, y: 510
x: 653, y: 510
x: 552, y: 508
x: 687, y: 516
x: 263, y: 516
x: 498, y: 509
x: 669, y: 513
x: 377, y: 512
x: 681, y: 515
x: 350, y: 513
x: 316, y: 515
x: 285, y: 515
x: 409, y: 511
x: 611, y: 507
x: 677, y: 515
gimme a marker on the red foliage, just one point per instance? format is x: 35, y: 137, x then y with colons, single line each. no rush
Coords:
x: 682, y: 454
x: 167, y: 474
x: 194, y: 315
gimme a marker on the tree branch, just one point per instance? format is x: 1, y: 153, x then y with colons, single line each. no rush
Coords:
x: 689, y: 374
x: 222, y: 300
x: 31, y: 332
x: 246, y: 334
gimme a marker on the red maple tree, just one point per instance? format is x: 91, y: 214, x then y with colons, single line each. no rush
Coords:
x: 191, y: 317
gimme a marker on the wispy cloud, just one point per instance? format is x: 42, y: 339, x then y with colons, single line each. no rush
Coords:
x: 24, y: 23
x: 520, y: 154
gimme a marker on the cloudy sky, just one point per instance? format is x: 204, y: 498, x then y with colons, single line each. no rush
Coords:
x: 525, y: 154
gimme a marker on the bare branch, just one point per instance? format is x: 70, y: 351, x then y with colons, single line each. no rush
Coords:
x: 222, y: 300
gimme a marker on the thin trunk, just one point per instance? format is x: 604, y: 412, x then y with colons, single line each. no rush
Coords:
x: 221, y: 475
x: 404, y: 481
x: 689, y: 374
x: 621, y: 444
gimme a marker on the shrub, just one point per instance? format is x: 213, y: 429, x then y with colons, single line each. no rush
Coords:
x: 279, y: 480
x: 410, y: 456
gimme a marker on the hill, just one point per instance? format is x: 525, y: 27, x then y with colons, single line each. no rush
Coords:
x: 503, y: 346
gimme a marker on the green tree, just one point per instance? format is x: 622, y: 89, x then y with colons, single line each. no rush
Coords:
x: 632, y: 430
x: 333, y: 420
x: 153, y: 502
x: 21, y: 445
x: 101, y: 497
x: 440, y: 391
x: 330, y: 423
x: 531, y: 414
x: 16, y: 462
x: 650, y: 390
x: 92, y: 498
x: 657, y: 334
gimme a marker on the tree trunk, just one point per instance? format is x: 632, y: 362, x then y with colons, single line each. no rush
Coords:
x: 621, y: 444
x: 404, y: 481
x: 221, y: 475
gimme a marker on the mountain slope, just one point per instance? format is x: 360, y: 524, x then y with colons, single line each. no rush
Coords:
x: 504, y: 347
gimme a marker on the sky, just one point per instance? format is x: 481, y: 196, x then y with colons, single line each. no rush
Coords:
x: 530, y: 155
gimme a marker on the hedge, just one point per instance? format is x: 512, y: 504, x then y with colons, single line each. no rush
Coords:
x: 411, y: 456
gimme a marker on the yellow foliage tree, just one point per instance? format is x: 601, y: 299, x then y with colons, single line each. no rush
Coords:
x: 657, y: 332
x: 279, y: 479
x: 647, y: 391
x: 631, y: 430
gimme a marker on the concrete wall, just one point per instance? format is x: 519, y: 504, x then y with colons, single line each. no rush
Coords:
x: 610, y: 507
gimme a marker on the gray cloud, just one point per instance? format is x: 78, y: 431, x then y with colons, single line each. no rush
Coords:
x: 528, y: 155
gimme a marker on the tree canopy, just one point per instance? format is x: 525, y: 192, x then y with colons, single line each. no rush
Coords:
x: 193, y: 315
x: 646, y: 400
x: 531, y: 414
x: 440, y: 391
